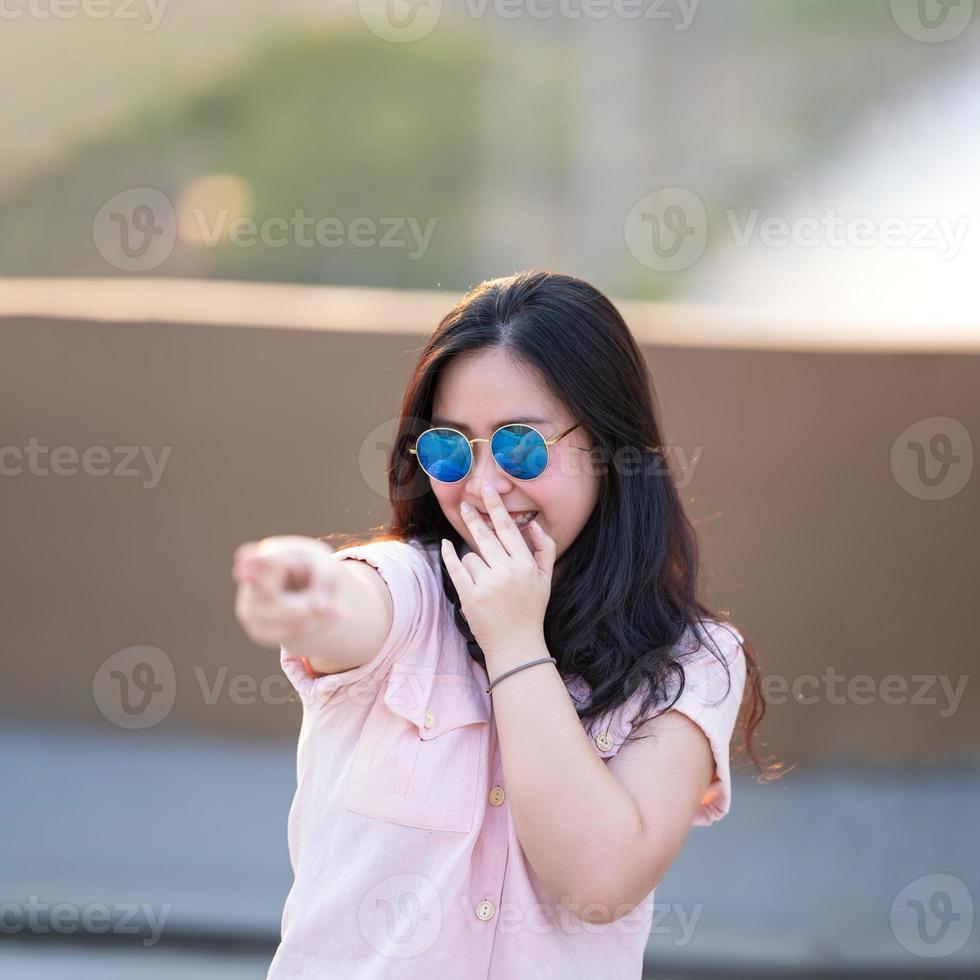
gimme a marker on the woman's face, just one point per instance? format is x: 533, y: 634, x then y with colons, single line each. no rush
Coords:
x: 479, y: 392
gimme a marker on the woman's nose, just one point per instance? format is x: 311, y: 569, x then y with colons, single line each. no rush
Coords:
x: 485, y: 470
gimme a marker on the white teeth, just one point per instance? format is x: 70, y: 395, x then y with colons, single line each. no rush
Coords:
x: 522, y: 521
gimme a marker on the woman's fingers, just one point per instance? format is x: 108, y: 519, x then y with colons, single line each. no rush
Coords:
x: 291, y: 612
x: 273, y: 565
x: 242, y: 553
x: 283, y: 622
x: 286, y: 585
x: 458, y: 572
x: 268, y: 576
x: 507, y: 532
x: 490, y: 548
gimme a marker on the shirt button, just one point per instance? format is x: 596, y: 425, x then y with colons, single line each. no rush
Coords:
x: 485, y: 911
x: 604, y: 741
x: 430, y: 719
x: 497, y: 795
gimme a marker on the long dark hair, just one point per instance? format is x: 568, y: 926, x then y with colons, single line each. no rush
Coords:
x: 624, y: 593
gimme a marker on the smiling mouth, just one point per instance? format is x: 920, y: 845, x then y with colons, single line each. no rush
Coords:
x: 522, y: 520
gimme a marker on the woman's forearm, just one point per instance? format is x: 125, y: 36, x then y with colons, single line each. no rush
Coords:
x: 575, y: 820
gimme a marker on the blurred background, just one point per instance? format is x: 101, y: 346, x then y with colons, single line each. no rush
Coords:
x: 227, y: 230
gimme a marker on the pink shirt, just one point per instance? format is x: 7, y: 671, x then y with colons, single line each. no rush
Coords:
x: 404, y: 853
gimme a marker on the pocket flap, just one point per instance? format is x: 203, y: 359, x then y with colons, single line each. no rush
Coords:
x: 436, y: 703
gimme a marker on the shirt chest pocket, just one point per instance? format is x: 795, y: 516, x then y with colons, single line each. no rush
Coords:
x: 419, y: 756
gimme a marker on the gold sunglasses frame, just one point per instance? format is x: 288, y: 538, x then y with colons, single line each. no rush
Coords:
x: 548, y: 443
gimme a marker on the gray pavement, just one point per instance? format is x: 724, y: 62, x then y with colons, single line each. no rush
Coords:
x: 189, y: 834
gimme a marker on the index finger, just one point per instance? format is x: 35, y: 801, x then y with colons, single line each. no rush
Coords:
x: 508, y: 532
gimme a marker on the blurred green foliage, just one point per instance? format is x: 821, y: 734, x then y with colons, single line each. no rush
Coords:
x: 333, y: 124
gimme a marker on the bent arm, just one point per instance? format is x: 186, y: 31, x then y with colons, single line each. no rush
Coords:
x: 599, y: 836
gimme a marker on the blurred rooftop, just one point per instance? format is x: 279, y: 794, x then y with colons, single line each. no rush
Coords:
x: 288, y: 306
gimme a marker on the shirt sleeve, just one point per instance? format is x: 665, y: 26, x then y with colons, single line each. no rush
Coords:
x: 709, y: 702
x: 407, y: 574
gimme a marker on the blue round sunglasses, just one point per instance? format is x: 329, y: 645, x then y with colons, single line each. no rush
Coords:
x: 519, y: 450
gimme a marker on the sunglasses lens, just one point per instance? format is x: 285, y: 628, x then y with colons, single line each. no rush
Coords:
x: 520, y: 450
x: 444, y: 455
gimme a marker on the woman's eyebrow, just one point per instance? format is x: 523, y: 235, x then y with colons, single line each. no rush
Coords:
x: 526, y: 420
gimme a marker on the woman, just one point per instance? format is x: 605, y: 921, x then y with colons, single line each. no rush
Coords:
x: 515, y: 705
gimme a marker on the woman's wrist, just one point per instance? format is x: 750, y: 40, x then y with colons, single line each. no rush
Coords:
x: 518, y: 669
x: 515, y: 651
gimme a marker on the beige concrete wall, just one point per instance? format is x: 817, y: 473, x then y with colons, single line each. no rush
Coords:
x: 810, y: 539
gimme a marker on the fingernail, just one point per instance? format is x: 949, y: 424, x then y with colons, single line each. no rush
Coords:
x: 465, y: 508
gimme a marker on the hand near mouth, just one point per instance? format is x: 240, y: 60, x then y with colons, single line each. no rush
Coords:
x: 504, y: 589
